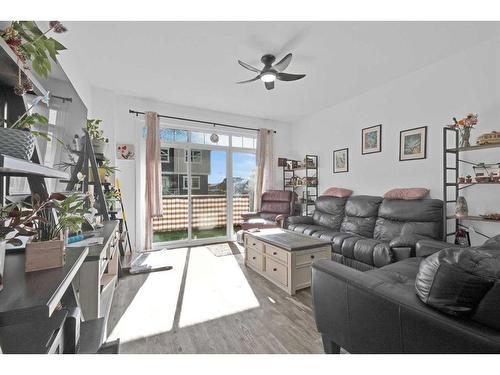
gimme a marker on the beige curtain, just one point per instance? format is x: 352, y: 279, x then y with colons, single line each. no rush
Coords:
x: 264, y: 177
x: 154, y: 204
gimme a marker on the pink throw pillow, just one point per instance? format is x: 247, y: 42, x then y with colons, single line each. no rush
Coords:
x: 338, y: 192
x: 407, y: 194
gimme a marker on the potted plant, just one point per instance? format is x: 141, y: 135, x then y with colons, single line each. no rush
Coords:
x: 30, y: 44
x: 46, y: 249
x: 18, y: 138
x: 13, y: 223
x: 461, y: 180
x: 468, y: 179
x: 106, y: 170
x: 99, y: 142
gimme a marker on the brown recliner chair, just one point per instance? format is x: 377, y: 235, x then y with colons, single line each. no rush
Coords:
x: 276, y: 205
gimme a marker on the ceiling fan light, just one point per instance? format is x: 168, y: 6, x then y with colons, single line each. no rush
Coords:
x: 268, y: 77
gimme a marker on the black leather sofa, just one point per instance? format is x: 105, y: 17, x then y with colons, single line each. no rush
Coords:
x: 369, y: 232
x: 378, y: 311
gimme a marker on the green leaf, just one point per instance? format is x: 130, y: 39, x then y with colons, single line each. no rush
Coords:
x: 51, y: 48
x: 59, y: 46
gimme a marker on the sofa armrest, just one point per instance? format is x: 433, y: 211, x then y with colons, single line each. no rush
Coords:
x: 427, y: 247
x: 299, y: 220
x: 407, y: 240
x: 396, y: 320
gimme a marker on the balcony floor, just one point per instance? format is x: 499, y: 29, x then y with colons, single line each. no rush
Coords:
x: 209, y: 304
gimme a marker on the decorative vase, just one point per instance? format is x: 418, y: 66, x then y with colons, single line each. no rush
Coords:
x: 17, y: 143
x: 99, y: 146
x: 461, y: 209
x: 464, y: 137
x: 2, y: 261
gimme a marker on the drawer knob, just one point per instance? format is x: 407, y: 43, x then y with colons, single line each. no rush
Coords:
x: 253, y: 258
x: 275, y: 253
x: 312, y: 256
x: 275, y: 269
x: 254, y: 244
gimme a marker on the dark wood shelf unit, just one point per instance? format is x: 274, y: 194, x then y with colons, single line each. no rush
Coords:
x: 454, y: 152
x: 473, y: 148
x: 33, y: 337
x: 473, y: 218
x: 310, y: 190
x: 14, y: 167
x: 91, y: 336
x: 28, y: 293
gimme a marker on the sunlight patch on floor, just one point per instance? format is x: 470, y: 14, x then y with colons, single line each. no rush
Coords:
x: 152, y: 310
x: 215, y: 287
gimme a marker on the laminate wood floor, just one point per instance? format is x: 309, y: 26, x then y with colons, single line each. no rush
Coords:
x: 209, y: 304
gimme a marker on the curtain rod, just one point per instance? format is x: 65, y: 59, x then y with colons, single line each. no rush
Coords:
x: 137, y: 113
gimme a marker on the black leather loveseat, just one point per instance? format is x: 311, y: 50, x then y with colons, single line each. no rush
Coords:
x: 378, y: 311
x: 369, y: 232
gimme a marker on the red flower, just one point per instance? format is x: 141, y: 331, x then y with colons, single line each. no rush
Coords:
x: 124, y: 148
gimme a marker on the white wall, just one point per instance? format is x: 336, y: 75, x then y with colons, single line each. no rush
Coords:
x: 466, y: 82
x: 122, y: 127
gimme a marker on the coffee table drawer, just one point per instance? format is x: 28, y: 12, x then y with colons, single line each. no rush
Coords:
x: 304, y: 259
x: 276, y: 271
x: 255, y: 259
x: 277, y: 253
x: 253, y: 243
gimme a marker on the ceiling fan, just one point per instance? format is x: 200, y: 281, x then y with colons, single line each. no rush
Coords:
x: 271, y: 72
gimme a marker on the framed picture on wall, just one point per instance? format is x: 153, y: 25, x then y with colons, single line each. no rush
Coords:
x: 371, y: 139
x: 413, y: 144
x: 341, y: 160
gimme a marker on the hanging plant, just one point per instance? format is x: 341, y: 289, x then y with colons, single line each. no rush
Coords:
x: 29, y: 43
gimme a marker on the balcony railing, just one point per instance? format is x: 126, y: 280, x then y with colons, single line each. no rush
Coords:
x: 209, y: 211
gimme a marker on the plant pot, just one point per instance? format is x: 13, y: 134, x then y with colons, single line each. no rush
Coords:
x: 44, y: 255
x: 99, y: 146
x: 2, y: 262
x: 17, y: 143
x: 468, y: 180
x: 102, y: 174
x: 461, y: 180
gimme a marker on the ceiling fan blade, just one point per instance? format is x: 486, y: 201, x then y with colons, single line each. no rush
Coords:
x: 289, y: 77
x: 250, y: 80
x: 283, y: 63
x: 269, y: 85
x: 249, y: 67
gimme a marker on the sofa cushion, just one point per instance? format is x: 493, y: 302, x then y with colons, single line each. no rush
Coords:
x: 360, y: 215
x: 308, y: 229
x: 455, y: 280
x: 329, y: 211
x: 327, y: 235
x: 369, y: 251
x: 401, y: 273
x: 338, y: 241
x: 416, y: 217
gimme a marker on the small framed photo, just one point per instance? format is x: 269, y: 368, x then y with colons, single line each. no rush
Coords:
x: 413, y: 144
x: 371, y: 139
x: 341, y: 160
x: 125, y: 151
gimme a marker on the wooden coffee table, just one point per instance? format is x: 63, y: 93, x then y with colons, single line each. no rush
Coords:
x: 284, y: 257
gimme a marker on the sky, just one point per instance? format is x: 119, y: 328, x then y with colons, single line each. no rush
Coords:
x: 243, y: 164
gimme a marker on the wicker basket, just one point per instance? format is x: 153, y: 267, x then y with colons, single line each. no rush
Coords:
x: 17, y: 143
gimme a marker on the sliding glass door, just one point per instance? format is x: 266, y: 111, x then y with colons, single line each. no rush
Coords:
x: 208, y: 183
x: 209, y: 193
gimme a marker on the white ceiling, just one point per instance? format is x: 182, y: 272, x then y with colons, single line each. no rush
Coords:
x: 195, y: 63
